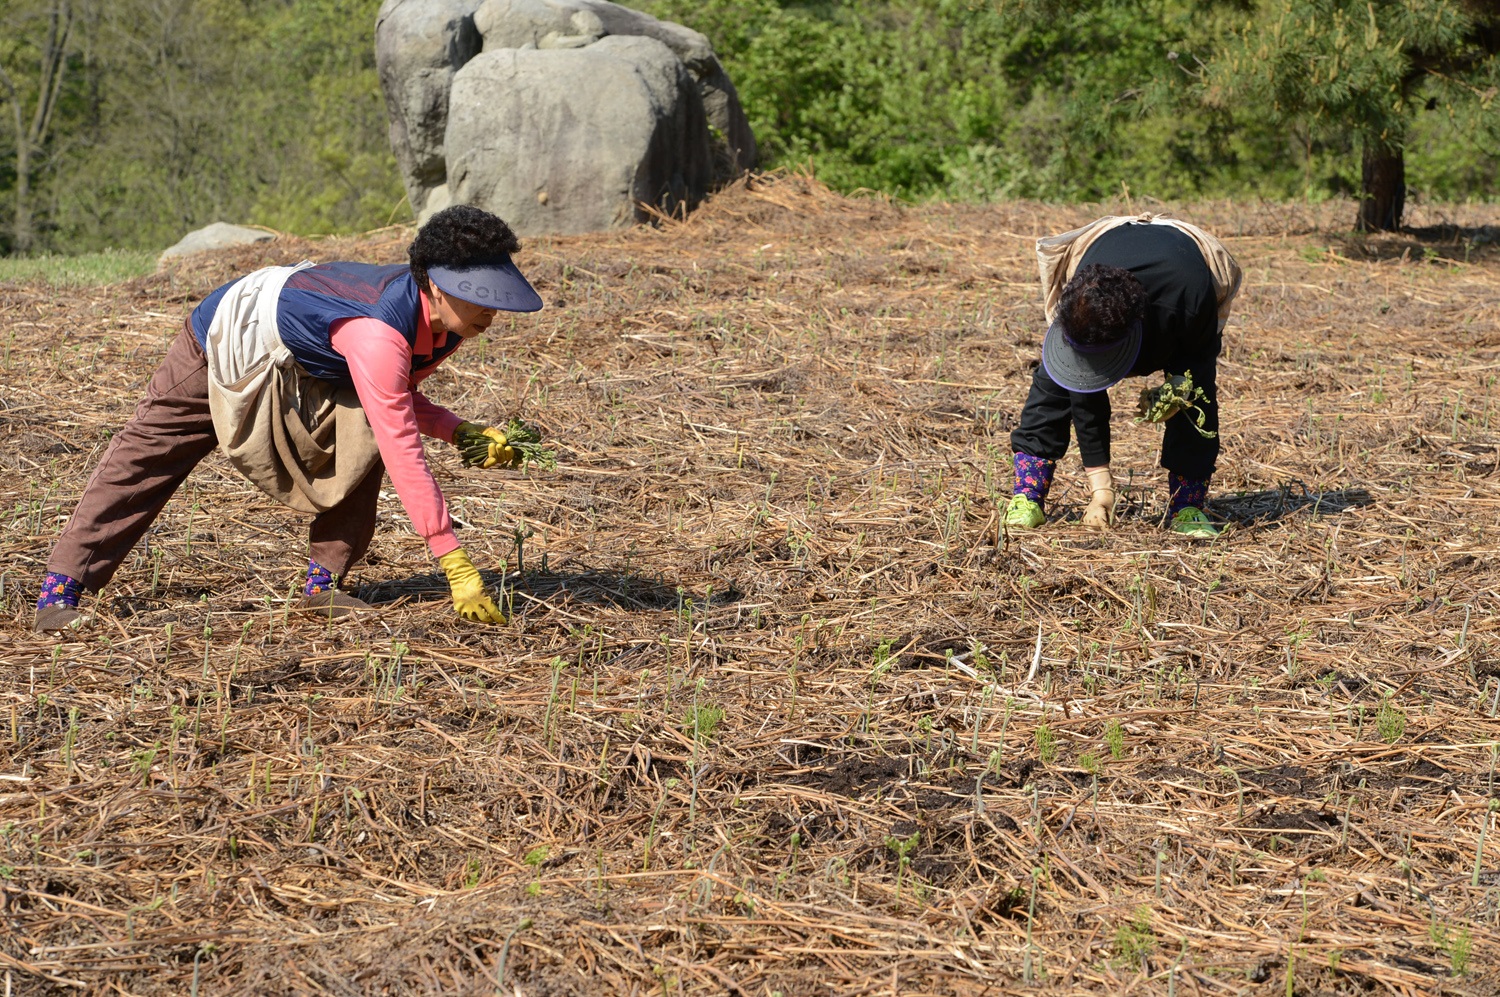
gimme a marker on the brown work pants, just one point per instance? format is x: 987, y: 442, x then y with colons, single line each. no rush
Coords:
x: 149, y: 459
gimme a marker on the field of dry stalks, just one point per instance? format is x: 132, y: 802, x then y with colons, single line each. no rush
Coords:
x: 781, y: 710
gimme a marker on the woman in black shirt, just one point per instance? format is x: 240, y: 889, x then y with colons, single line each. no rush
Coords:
x: 1142, y: 300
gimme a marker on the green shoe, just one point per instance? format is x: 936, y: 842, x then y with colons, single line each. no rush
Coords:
x: 1023, y: 514
x: 1191, y: 522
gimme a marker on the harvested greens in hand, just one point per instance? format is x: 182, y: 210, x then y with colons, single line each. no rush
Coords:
x: 474, y: 448
x: 1178, y: 394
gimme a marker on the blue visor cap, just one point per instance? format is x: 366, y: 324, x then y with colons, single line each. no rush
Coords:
x: 492, y: 285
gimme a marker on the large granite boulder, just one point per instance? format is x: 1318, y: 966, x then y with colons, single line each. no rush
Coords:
x: 550, y: 129
x: 419, y: 45
x: 628, y: 130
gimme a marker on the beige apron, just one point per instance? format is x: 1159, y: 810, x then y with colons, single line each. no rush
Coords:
x: 298, y: 438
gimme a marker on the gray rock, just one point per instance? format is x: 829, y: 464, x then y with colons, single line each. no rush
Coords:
x: 551, y: 23
x: 627, y: 128
x: 219, y: 235
x: 575, y: 23
x: 421, y: 44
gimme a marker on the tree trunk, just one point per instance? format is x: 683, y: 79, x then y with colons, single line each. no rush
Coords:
x: 22, y: 233
x: 1383, y: 197
x: 31, y: 140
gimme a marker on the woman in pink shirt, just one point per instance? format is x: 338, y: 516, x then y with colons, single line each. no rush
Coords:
x: 378, y: 329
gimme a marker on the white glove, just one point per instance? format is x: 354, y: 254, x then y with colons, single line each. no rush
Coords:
x: 1100, y: 514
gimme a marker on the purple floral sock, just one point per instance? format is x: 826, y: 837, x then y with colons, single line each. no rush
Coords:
x: 59, y: 590
x: 319, y: 579
x: 1034, y: 476
x: 1185, y: 493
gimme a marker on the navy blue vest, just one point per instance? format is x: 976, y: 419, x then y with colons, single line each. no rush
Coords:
x: 315, y: 298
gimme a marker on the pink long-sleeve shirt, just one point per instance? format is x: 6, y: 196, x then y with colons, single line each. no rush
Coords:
x: 380, y: 361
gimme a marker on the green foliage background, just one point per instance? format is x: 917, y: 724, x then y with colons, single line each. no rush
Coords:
x: 181, y: 112
x: 1057, y: 101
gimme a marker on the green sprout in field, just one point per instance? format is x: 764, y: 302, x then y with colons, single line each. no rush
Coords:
x: 902, y: 847
x: 1134, y: 940
x: 1176, y: 395
x: 535, y: 858
x: 1114, y: 736
x: 703, y: 721
x: 142, y: 761
x: 1458, y: 946
x: 1046, y: 744
x: 1390, y: 721
x: 882, y: 664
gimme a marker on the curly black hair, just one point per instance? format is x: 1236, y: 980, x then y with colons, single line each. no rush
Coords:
x: 460, y: 236
x: 1100, y: 303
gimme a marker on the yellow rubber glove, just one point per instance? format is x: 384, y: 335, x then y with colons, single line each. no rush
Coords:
x: 484, y: 446
x: 471, y: 599
x: 1100, y: 513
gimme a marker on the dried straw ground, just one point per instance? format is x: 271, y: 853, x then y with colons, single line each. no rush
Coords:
x: 780, y: 711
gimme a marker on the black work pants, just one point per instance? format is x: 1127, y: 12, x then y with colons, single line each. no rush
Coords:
x: 1050, y: 410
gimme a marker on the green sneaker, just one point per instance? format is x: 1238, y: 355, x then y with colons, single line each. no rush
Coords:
x: 1023, y: 514
x: 1191, y: 522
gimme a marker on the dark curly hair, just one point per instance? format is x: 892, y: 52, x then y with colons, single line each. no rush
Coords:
x: 1099, y: 304
x: 460, y: 236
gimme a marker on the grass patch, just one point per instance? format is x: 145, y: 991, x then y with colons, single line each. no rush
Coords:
x: 87, y: 270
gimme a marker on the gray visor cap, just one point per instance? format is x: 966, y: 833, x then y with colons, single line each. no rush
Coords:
x: 493, y: 285
x: 1088, y: 371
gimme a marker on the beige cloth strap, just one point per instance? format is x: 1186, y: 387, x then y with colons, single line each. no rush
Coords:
x: 1058, y: 257
x: 297, y: 438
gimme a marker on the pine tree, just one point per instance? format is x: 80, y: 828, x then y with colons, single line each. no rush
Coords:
x: 1364, y: 67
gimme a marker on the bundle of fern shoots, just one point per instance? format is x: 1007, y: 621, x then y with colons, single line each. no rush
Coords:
x: 1178, y: 394
x: 474, y: 448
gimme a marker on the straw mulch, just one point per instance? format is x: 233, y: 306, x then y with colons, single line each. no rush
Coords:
x: 781, y: 710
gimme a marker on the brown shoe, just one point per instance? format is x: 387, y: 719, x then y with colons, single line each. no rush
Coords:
x: 57, y: 618
x: 333, y: 604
